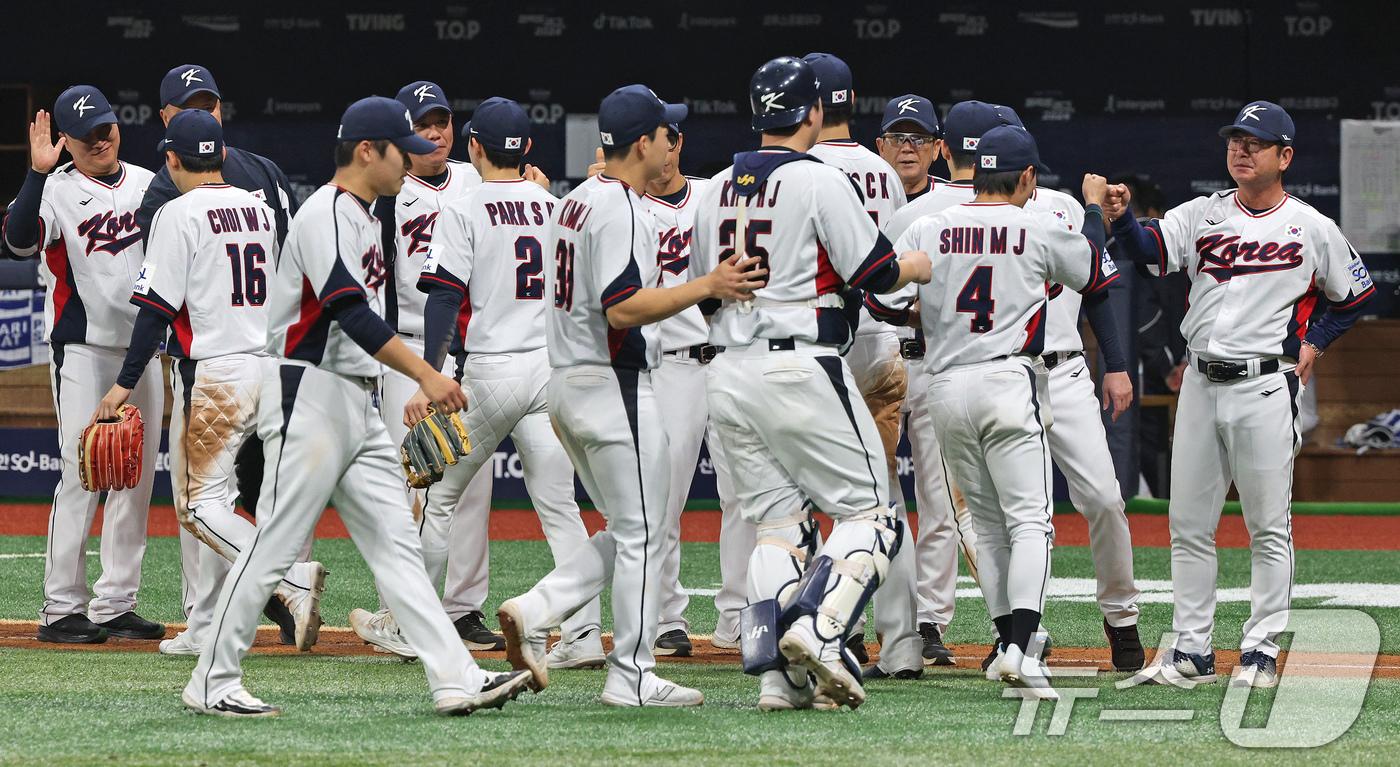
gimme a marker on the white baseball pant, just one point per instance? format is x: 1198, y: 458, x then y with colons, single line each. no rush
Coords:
x: 610, y: 424
x: 680, y: 386
x: 505, y: 395
x: 325, y: 442
x: 80, y: 376
x: 1079, y: 447
x: 737, y: 537
x: 1244, y: 431
x: 990, y: 418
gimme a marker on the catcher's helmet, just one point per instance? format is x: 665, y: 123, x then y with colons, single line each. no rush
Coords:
x: 782, y: 92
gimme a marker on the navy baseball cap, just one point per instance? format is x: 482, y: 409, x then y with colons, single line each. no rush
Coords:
x: 966, y: 122
x: 629, y: 113
x: 421, y: 98
x: 194, y: 133
x: 500, y: 124
x: 1008, y: 147
x: 833, y: 78
x: 915, y: 109
x: 782, y: 92
x: 1265, y: 120
x: 80, y: 109
x: 1008, y: 115
x: 378, y: 118
x: 184, y: 81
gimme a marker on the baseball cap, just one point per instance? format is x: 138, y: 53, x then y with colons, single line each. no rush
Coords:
x: 421, y: 98
x: 1265, y: 120
x: 833, y: 78
x: 1008, y: 115
x: 966, y: 122
x: 80, y: 109
x: 193, y: 133
x: 499, y: 124
x: 378, y: 118
x: 184, y: 81
x: 1008, y: 147
x: 915, y: 109
x: 782, y: 92
x: 629, y: 113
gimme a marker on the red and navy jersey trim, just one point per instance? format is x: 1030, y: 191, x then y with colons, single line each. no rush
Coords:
x: 155, y: 302
x: 884, y: 313
x: 880, y: 269
x: 440, y: 279
x: 69, y: 313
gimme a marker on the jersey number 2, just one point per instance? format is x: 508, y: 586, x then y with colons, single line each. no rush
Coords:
x: 529, y: 285
x: 249, y: 281
x: 975, y: 298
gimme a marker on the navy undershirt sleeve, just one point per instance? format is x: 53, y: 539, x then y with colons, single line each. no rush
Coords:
x: 364, y: 327
x: 22, y: 219
x: 1104, y: 323
x: 439, y: 323
x: 1334, y: 322
x: 151, y: 325
x: 1142, y: 245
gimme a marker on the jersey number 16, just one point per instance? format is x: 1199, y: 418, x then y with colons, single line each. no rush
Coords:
x: 249, y: 281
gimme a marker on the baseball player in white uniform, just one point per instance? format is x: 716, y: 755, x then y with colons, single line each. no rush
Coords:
x: 80, y: 219
x: 679, y: 383
x: 484, y: 279
x: 784, y: 401
x: 1259, y: 259
x: 325, y: 439
x: 603, y: 341
x: 984, y: 317
x: 876, y: 364
x: 205, y: 279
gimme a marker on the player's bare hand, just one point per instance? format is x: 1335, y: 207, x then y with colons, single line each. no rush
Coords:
x: 445, y: 394
x: 43, y: 151
x: 107, y: 408
x: 597, y: 166
x: 1174, y: 378
x: 1115, y: 201
x: 1117, y: 393
x: 1095, y: 189
x: 736, y: 280
x: 1306, y: 358
x: 916, y: 265
x: 416, y: 409
x: 532, y: 173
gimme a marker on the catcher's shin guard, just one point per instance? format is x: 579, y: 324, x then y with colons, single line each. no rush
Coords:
x: 835, y: 590
x: 783, y: 549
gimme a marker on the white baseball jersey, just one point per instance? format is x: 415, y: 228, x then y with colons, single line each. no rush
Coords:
x: 675, y: 224
x: 416, y: 210
x: 490, y: 245
x: 603, y: 248
x: 880, y: 187
x: 207, y: 260
x: 92, y: 255
x: 332, y: 249
x: 807, y: 223
x: 1255, y: 277
x: 1062, y: 318
x: 991, y: 266
x: 944, y: 195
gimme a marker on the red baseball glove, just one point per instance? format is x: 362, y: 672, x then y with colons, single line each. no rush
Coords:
x: 110, y: 453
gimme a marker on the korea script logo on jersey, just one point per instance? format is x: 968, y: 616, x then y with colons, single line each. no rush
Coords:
x: 419, y: 232
x: 674, y: 243
x: 1223, y: 257
x: 373, y: 263
x: 105, y: 231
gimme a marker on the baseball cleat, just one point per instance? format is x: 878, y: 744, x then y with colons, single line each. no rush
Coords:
x: 472, y: 629
x: 1256, y: 669
x: 498, y: 689
x: 724, y: 644
x: 875, y: 672
x: 583, y: 651
x: 1018, y: 670
x: 663, y: 694
x: 381, y: 630
x: 305, y: 605
x: 935, y: 653
x: 833, y: 680
x: 1125, y: 646
x: 992, y: 665
x: 674, y: 643
x: 129, y: 625
x: 181, y: 644
x: 276, y: 611
x: 73, y: 629
x: 778, y: 691
x: 1175, y: 667
x: 525, y: 652
x: 856, y: 645
x: 239, y: 703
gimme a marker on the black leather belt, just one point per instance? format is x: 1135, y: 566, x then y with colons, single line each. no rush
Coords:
x: 1223, y: 371
x: 911, y: 348
x: 781, y: 344
x: 702, y: 352
x: 1053, y: 359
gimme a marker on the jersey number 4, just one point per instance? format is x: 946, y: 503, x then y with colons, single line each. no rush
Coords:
x: 529, y: 285
x: 249, y: 281
x: 564, y: 276
x: 751, y: 247
x: 975, y: 298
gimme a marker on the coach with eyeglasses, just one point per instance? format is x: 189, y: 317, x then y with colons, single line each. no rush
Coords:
x: 908, y: 141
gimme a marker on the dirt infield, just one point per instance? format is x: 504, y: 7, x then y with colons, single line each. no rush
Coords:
x: 343, y: 641
x: 1309, y: 531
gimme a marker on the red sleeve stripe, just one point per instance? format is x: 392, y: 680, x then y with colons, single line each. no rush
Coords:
x: 1161, y: 251
x: 352, y: 289
x: 859, y: 278
x: 609, y: 301
x: 1356, y: 300
x: 441, y: 281
x: 148, y: 302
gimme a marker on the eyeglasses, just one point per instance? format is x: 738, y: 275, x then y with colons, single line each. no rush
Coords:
x: 1249, y: 145
x: 916, y: 139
